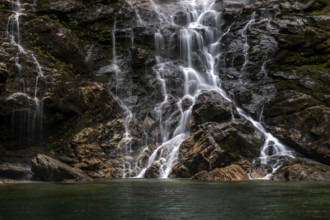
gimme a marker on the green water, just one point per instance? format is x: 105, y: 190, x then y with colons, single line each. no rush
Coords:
x: 166, y: 199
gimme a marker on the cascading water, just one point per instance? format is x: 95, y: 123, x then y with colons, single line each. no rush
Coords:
x: 32, y: 127
x: 199, y: 37
x: 246, y: 44
x: 13, y: 31
x: 125, y: 144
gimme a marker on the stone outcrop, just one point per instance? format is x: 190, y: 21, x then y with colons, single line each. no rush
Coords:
x: 301, y: 169
x: 218, y: 140
x: 46, y: 168
x: 231, y: 173
x: 15, y: 171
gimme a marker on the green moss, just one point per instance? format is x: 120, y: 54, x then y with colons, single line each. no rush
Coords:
x: 286, y: 85
x: 319, y: 67
x: 319, y: 7
x: 230, y: 146
x: 139, y: 72
x: 74, y: 23
x: 321, y: 12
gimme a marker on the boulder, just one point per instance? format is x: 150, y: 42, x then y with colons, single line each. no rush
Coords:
x: 211, y: 106
x: 233, y: 172
x: 15, y: 171
x: 46, y: 168
x: 217, y: 145
x: 306, y: 129
x: 153, y: 171
x: 302, y: 169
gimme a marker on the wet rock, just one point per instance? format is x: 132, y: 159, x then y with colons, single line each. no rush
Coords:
x: 306, y: 130
x: 181, y: 171
x: 153, y: 171
x: 3, y: 73
x: 92, y: 159
x: 46, y: 168
x: 231, y: 173
x: 303, y: 5
x: 16, y: 102
x: 302, y: 169
x: 288, y: 102
x: 300, y: 38
x: 99, y: 101
x: 58, y: 6
x: 141, y: 58
x: 259, y: 170
x: 211, y: 106
x: 15, y: 171
x: 95, y: 149
x: 181, y: 18
x: 217, y: 145
x: 144, y: 36
x: 64, y: 45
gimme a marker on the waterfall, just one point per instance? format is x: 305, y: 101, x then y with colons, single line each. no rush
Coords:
x: 246, y: 44
x: 125, y: 144
x: 199, y: 36
x: 32, y: 121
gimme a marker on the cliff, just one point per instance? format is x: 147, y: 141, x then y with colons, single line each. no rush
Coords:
x: 81, y: 81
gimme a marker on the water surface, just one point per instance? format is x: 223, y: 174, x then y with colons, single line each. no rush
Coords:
x: 166, y: 199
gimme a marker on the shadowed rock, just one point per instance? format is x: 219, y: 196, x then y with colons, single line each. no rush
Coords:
x: 46, y: 168
x: 302, y: 169
x: 15, y: 171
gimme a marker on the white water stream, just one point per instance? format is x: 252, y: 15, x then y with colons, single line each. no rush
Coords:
x: 199, y: 38
x: 34, y: 124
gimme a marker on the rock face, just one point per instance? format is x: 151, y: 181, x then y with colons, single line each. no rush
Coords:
x: 231, y: 173
x: 89, y: 88
x: 301, y: 169
x: 48, y: 169
x: 15, y: 171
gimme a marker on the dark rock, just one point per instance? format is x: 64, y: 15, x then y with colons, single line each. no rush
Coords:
x: 46, y: 168
x: 2, y: 153
x: 302, y: 169
x: 58, y: 6
x: 259, y: 170
x: 16, y: 102
x: 65, y: 45
x: 306, y: 130
x: 180, y: 170
x: 181, y: 18
x: 15, y: 171
x: 141, y: 58
x: 211, y: 106
x: 3, y: 73
x: 153, y: 171
x: 288, y: 102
